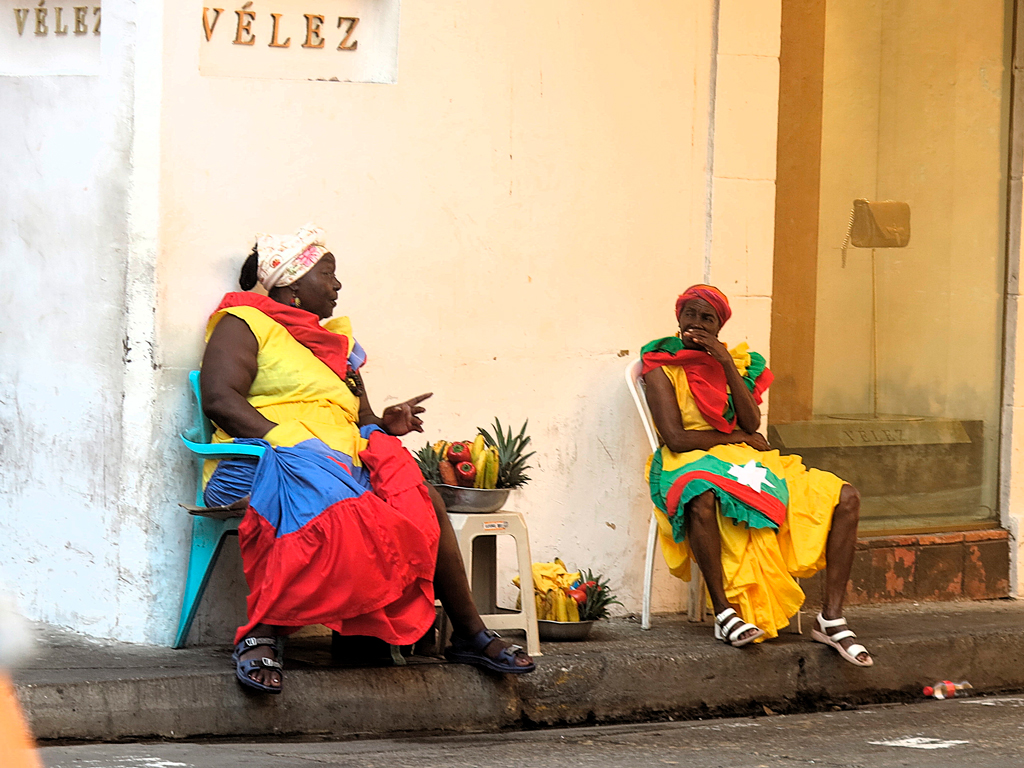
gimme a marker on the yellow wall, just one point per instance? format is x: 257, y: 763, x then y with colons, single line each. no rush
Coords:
x: 915, y: 97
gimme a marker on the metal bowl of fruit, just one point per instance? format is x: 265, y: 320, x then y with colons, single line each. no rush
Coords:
x: 564, y: 630
x: 477, y: 500
x: 477, y: 476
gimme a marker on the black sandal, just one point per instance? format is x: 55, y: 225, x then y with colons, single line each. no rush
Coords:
x: 243, y: 668
x: 471, y: 651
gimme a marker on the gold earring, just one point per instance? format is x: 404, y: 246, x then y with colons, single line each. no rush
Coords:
x: 296, y: 301
x: 679, y: 334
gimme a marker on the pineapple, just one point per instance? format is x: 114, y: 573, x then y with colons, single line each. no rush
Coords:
x: 511, y: 459
x: 429, y: 463
x: 599, y: 597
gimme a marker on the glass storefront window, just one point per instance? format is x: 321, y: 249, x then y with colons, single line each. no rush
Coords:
x: 907, y: 361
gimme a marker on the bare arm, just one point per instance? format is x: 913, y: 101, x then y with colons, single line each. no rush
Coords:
x: 397, y: 420
x: 229, y: 367
x: 661, y: 397
x: 748, y: 415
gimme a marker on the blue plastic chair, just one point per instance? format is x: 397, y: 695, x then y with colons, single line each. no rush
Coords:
x: 207, y: 533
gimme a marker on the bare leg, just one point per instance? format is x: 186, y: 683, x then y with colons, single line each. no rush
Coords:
x: 839, y: 552
x: 271, y: 677
x: 706, y: 545
x: 452, y: 586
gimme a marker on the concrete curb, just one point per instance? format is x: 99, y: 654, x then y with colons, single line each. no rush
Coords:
x: 631, y: 676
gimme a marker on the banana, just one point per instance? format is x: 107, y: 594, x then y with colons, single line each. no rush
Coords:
x: 480, y: 462
x: 441, y: 447
x: 538, y: 600
x: 574, y: 609
x: 491, y: 481
x: 485, y: 457
x: 477, y: 447
x: 561, y: 609
x: 549, y: 605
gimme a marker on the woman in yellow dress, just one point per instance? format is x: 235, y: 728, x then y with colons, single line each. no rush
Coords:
x: 753, y: 520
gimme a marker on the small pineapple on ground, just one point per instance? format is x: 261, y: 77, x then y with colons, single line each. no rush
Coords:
x: 599, y: 597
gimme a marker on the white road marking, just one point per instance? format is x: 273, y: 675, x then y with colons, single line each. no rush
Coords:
x: 1009, y: 701
x: 723, y: 725
x: 920, y: 742
x: 126, y: 762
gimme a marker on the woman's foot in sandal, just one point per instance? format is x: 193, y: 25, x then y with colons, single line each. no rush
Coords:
x: 487, y: 649
x: 732, y: 630
x: 257, y: 665
x: 836, y: 633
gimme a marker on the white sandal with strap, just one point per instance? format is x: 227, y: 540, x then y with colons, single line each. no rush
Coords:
x: 821, y: 635
x: 729, y: 627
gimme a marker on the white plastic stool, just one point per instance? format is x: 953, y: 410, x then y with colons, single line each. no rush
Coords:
x: 481, y: 570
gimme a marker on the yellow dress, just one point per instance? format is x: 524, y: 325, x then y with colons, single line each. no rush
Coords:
x: 758, y: 564
x: 294, y: 389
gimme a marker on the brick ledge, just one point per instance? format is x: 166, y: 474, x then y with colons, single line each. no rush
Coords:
x: 959, y: 565
x: 926, y: 539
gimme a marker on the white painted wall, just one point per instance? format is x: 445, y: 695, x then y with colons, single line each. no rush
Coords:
x: 75, y: 535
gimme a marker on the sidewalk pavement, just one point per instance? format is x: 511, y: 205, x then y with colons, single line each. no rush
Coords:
x: 83, y: 690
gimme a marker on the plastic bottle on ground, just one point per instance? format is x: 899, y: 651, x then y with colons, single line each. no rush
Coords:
x: 945, y: 689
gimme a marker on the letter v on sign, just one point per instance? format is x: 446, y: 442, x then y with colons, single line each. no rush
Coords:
x: 208, y: 27
x: 20, y: 14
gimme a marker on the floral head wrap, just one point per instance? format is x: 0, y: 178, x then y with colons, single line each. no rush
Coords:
x: 283, y: 259
x: 711, y: 295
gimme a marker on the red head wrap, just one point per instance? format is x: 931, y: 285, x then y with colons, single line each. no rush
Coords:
x: 711, y: 295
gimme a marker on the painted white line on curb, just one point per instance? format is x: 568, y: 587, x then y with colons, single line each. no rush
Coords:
x: 920, y: 742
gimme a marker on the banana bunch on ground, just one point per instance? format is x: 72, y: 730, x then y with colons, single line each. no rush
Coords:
x: 556, y: 605
x: 470, y: 464
x: 561, y: 595
x: 551, y: 585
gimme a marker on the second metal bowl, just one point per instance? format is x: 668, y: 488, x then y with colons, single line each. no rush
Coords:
x: 564, y: 630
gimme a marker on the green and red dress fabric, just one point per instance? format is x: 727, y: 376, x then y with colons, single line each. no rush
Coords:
x: 706, y: 378
x: 750, y: 494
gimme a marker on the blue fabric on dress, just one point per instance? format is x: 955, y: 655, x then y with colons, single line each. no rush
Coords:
x: 230, y: 481
x: 234, y: 478
x: 357, y: 356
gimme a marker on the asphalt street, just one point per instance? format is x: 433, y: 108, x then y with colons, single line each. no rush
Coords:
x: 980, y: 732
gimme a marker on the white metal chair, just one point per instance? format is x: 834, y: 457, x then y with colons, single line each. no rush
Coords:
x: 635, y: 382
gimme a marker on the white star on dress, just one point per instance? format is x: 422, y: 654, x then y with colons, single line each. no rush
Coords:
x: 750, y: 475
